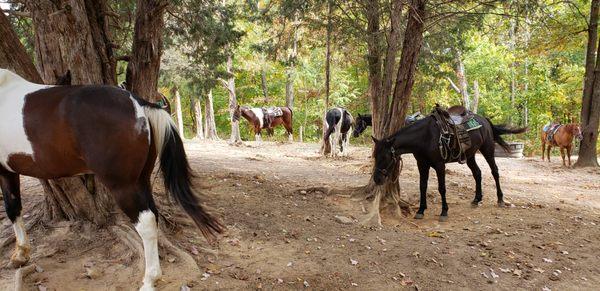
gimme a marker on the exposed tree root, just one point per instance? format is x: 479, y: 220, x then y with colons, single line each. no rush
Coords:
x: 20, y: 274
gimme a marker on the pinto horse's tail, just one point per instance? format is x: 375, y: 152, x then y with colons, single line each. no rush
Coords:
x: 176, y: 170
x: 499, y: 130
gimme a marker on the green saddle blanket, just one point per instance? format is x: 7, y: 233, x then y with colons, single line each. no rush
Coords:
x: 471, y: 124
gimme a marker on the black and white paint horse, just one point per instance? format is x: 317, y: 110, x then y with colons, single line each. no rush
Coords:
x: 50, y: 132
x: 338, y: 123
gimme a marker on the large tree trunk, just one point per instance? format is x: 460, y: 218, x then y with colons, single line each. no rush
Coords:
x: 13, y: 55
x: 590, y: 105
x: 197, y: 106
x: 328, y: 55
x: 229, y: 84
x: 211, y: 126
x: 143, y: 68
x: 291, y: 70
x: 388, y: 118
x: 71, y: 36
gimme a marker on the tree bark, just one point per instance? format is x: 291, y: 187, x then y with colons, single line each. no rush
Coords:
x: 291, y: 70
x: 475, y: 96
x: 263, y: 84
x: 143, y: 68
x: 211, y: 127
x: 388, y: 118
x: 461, y: 76
x: 178, y: 111
x: 13, y: 55
x: 328, y: 55
x: 590, y: 105
x: 229, y: 84
x: 197, y: 105
x: 71, y: 36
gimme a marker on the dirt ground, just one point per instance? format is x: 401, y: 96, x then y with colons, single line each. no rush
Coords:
x: 282, y: 235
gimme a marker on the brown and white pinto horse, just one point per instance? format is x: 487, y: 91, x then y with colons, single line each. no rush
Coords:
x: 256, y: 118
x: 562, y: 138
x: 51, y: 132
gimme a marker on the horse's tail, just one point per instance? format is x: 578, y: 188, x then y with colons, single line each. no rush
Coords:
x: 499, y: 130
x: 292, y: 117
x: 176, y: 170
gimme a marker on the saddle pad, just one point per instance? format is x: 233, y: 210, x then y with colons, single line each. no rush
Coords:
x: 275, y: 111
x: 472, y: 124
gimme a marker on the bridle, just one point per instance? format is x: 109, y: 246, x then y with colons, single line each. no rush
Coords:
x: 395, y: 159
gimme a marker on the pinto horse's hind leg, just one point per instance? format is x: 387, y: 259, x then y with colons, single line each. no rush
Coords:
x: 477, y: 175
x: 440, y: 170
x: 12, y: 204
x: 137, y: 203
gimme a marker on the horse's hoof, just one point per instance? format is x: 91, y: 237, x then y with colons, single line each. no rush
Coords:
x: 443, y: 218
x: 475, y: 203
x: 501, y: 204
x: 419, y: 216
x: 19, y: 258
x: 147, y: 287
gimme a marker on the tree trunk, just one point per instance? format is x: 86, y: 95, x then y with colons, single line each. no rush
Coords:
x: 211, y: 127
x: 590, y: 105
x: 197, y: 105
x: 143, y: 68
x: 328, y: 55
x: 475, y: 96
x: 291, y: 70
x: 72, y: 36
x: 13, y: 55
x: 263, y: 84
x: 462, y: 80
x: 229, y: 84
x: 178, y: 111
x: 388, y: 118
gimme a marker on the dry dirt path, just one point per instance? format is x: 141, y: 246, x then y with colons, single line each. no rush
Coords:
x: 282, y: 238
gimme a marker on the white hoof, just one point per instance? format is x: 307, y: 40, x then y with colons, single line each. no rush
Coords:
x: 147, y: 287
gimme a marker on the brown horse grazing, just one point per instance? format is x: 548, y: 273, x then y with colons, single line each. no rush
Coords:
x: 51, y: 132
x: 260, y: 119
x: 562, y: 138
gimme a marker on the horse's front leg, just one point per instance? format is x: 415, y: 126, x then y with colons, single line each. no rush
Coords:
x: 569, y: 154
x: 562, y: 155
x: 543, y: 147
x: 423, y: 180
x: 440, y: 170
x: 548, y: 152
x: 12, y: 201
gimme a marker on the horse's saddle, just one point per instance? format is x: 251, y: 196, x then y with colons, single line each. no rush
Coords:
x: 270, y: 113
x: 455, y: 123
x: 550, y: 129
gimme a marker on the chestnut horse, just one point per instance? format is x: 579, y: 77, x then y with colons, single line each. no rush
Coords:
x: 256, y: 118
x: 50, y: 132
x: 562, y: 138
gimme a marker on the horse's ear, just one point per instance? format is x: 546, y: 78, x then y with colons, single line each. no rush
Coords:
x: 374, y: 139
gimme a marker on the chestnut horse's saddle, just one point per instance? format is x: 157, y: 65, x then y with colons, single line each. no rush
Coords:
x: 550, y: 129
x: 269, y: 114
x: 455, y: 124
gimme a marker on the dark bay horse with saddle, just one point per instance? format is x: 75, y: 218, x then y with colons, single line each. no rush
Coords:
x: 445, y: 136
x: 267, y: 118
x: 50, y: 132
x: 560, y: 135
x: 338, y: 122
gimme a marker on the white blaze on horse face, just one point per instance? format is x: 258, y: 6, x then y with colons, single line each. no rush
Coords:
x: 148, y: 231
x: 259, y: 114
x: 13, y: 139
x: 141, y: 122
